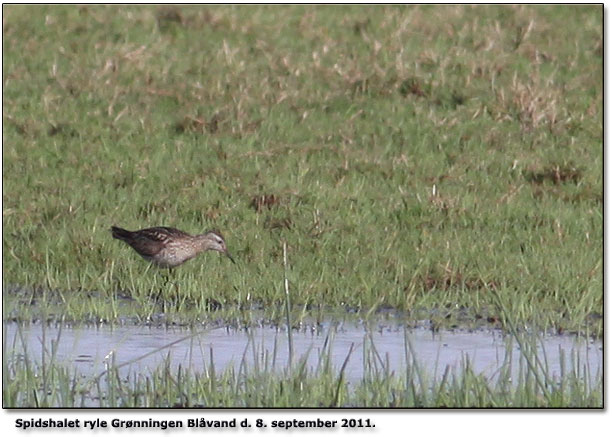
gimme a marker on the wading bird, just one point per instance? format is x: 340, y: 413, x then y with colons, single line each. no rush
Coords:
x: 169, y: 247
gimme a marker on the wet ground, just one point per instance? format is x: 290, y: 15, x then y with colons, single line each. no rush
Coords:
x: 389, y: 349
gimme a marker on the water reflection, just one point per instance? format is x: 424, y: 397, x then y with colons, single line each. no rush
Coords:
x: 389, y: 350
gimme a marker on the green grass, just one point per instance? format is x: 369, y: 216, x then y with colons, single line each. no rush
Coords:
x: 422, y: 158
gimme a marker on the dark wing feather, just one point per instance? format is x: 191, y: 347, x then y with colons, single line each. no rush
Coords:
x: 176, y: 232
x: 162, y: 233
x: 149, y: 242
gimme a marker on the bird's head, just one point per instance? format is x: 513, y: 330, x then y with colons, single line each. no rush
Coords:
x: 217, y: 242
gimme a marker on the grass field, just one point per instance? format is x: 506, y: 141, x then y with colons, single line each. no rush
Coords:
x: 444, y: 162
x: 439, y: 163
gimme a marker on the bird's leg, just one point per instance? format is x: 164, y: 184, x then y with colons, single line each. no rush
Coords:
x: 168, y: 275
x: 168, y: 285
x: 174, y: 283
x: 166, y: 279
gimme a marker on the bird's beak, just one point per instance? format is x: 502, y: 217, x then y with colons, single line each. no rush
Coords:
x: 227, y: 254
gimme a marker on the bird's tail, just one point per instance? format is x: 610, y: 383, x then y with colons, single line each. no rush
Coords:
x: 121, y: 234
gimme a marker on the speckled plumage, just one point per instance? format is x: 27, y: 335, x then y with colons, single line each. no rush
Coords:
x: 170, y: 247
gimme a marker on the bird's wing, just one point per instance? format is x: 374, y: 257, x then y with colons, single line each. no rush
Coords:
x: 175, y: 233
x: 149, y: 242
x: 162, y: 234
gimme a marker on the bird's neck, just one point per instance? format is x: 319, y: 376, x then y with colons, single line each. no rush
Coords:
x: 202, y: 242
